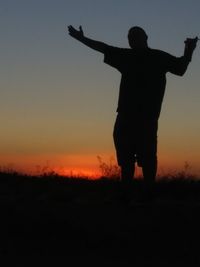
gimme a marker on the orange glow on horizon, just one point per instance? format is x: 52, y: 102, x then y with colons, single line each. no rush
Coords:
x: 78, y: 172
x: 82, y: 165
x: 65, y: 165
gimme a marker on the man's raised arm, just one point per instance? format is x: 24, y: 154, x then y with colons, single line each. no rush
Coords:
x: 179, y: 65
x: 79, y: 35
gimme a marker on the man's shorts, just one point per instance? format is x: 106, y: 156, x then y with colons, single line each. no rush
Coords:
x: 135, y: 140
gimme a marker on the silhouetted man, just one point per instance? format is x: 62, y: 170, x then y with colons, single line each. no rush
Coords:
x: 143, y: 79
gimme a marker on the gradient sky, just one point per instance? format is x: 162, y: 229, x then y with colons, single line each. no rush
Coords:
x: 58, y: 99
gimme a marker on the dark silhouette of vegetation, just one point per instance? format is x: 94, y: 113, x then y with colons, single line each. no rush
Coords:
x: 109, y: 170
x: 55, y: 219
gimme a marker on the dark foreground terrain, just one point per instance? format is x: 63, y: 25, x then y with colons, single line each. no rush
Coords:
x: 73, y: 222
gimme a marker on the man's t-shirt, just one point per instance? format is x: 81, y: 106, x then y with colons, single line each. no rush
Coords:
x: 143, y: 78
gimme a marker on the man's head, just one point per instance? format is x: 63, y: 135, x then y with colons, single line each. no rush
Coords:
x: 137, y: 37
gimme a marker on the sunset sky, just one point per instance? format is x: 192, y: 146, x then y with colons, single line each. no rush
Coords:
x: 58, y: 99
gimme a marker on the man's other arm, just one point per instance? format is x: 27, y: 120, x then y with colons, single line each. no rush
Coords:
x: 79, y: 35
x: 178, y: 65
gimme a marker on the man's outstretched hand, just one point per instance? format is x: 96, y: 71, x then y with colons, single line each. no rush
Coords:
x: 191, y: 43
x: 77, y: 34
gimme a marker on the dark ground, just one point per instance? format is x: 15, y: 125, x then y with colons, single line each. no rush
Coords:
x: 68, y: 222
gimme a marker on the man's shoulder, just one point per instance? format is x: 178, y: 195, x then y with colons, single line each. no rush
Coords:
x: 158, y: 52
x: 110, y: 48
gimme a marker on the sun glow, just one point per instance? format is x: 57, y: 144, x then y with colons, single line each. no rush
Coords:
x: 64, y: 165
x: 79, y: 173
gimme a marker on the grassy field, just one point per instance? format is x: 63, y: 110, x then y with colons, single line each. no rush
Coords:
x: 72, y: 222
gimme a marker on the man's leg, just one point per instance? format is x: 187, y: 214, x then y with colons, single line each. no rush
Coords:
x: 149, y: 152
x: 149, y: 169
x: 122, y: 140
x: 127, y: 172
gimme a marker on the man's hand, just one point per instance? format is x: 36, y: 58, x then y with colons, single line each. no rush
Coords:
x: 77, y: 34
x: 191, y: 43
